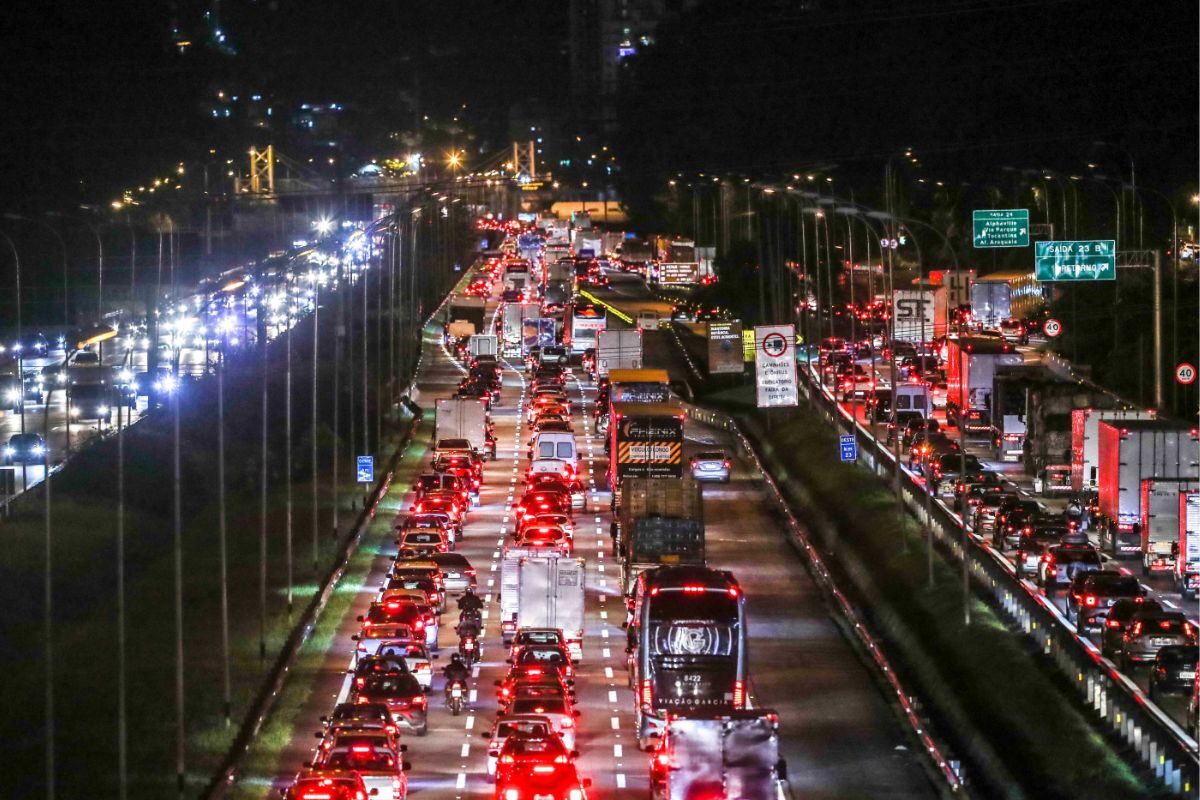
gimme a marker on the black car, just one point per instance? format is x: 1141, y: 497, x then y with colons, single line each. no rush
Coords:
x: 1174, y: 670
x: 902, y: 421
x: 25, y: 448
x: 1012, y: 518
x: 1092, y: 594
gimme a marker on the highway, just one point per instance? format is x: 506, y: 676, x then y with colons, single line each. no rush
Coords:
x: 840, y: 738
x: 630, y: 294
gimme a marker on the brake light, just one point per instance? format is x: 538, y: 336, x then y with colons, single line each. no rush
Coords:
x: 1165, y: 625
x: 647, y: 695
x: 1112, y: 623
x: 418, y: 700
x: 512, y: 794
x: 663, y: 760
x: 733, y: 591
x: 1089, y: 599
x: 560, y: 760
x: 692, y: 588
x: 507, y: 759
x: 1136, y: 630
x: 360, y: 682
x: 568, y: 722
x: 739, y: 694
x: 361, y: 748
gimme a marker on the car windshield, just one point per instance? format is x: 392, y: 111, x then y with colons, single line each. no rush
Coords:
x: 522, y: 727
x: 541, y: 655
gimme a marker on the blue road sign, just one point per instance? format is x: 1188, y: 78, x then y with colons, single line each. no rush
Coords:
x: 366, y: 469
x: 848, y: 447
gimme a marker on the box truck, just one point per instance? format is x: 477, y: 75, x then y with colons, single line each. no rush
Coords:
x: 971, y: 364
x: 659, y: 522
x: 618, y: 349
x: 550, y: 595
x: 1132, y: 451
x: 736, y: 754
x: 1187, y: 557
x: 1085, y: 442
x: 463, y: 418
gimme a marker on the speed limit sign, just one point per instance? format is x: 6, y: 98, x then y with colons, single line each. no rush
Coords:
x: 1185, y: 373
x: 1052, y: 328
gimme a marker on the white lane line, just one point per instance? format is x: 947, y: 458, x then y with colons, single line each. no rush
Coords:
x: 620, y: 780
x: 604, y: 633
x: 601, y: 597
x: 600, y: 567
x: 470, y: 721
x: 608, y: 672
x: 603, y: 615
x: 492, y: 582
x: 493, y: 568
x: 461, y: 783
x: 612, y: 696
x: 616, y: 723
x: 466, y: 749
x: 618, y: 751
x: 607, y: 653
x: 603, y: 582
x: 1167, y: 602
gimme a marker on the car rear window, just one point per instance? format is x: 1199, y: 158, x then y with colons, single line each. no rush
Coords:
x: 539, y: 705
x: 1113, y: 584
x: 525, y: 728
x: 710, y: 456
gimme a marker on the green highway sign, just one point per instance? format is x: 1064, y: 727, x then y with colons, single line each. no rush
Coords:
x: 1000, y: 227
x: 1094, y: 260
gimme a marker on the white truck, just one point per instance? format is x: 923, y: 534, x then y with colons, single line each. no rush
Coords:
x: 618, y: 349
x: 589, y: 244
x: 729, y: 755
x: 1160, y: 521
x: 463, y: 418
x: 1187, y: 558
x: 510, y: 587
x: 550, y: 595
x: 1085, y: 443
x: 482, y: 344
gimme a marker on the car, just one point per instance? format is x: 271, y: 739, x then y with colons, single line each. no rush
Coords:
x: 949, y: 465
x: 420, y: 619
x: 1011, y: 519
x: 1031, y: 546
x: 434, y: 482
x: 451, y: 503
x: 540, y: 501
x: 711, y: 465
x: 380, y: 768
x: 403, y: 696
x: 984, y: 517
x: 916, y: 424
x: 1120, y: 616
x: 559, y: 710
x: 1174, y: 670
x: 1147, y: 633
x: 457, y: 572
x: 351, y: 735
x: 419, y: 539
x: 372, y: 638
x: 362, y: 716
x: 416, y: 658
x: 553, y: 355
x: 25, y: 448
x: 1061, y: 562
x: 856, y: 382
x: 511, y: 725
x: 311, y: 784
x: 518, y: 752
x: 430, y: 590
x: 530, y: 636
x: 545, y: 538
x: 1013, y: 331
x: 1092, y: 594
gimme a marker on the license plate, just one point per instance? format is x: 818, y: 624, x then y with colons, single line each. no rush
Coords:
x: 1188, y: 675
x: 456, y: 691
x: 1162, y: 642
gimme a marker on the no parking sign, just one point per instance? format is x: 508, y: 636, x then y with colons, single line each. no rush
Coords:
x: 775, y: 365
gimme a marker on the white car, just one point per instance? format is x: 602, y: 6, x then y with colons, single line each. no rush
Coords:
x: 416, y: 657
x: 558, y: 710
x: 505, y: 726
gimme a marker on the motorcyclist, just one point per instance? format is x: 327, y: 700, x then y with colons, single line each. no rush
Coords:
x: 468, y: 626
x: 456, y: 672
x: 469, y: 602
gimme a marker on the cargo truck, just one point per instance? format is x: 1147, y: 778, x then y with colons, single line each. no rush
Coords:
x: 482, y: 344
x: 639, y: 385
x: 645, y: 441
x: 659, y: 522
x: 1160, y: 522
x: 1133, y: 451
x: 464, y: 418
x: 971, y: 364
x: 465, y: 318
x: 510, y: 588
x: 1187, y: 558
x: 550, y: 595
x: 511, y: 321
x: 1085, y: 442
x: 721, y: 755
x: 618, y: 349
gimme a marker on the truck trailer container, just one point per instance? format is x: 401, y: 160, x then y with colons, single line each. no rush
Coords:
x: 971, y: 364
x: 550, y: 595
x: 659, y: 522
x: 726, y: 755
x: 463, y: 418
x: 618, y: 349
x: 1085, y: 442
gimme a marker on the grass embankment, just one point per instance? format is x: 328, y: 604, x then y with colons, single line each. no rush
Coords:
x: 84, y: 579
x: 1020, y: 730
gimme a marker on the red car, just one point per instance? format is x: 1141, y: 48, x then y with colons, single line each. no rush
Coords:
x: 552, y: 781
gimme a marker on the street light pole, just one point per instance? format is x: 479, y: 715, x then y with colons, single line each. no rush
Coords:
x: 122, y: 730
x: 221, y: 525
x: 316, y: 468
x: 287, y: 432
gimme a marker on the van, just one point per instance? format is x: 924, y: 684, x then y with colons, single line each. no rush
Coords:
x: 914, y: 397
x: 647, y: 320
x: 556, y: 445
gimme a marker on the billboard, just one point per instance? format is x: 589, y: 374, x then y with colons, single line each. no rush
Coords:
x: 538, y: 332
x: 914, y: 314
x: 775, y: 365
x: 678, y: 274
x: 725, y: 348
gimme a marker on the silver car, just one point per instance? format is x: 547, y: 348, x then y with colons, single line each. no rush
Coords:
x: 712, y: 465
x: 457, y: 572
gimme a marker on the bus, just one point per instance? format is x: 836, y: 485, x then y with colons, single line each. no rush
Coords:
x: 587, y: 320
x: 689, y: 645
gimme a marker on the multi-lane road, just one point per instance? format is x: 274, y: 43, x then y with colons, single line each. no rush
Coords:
x: 840, y: 737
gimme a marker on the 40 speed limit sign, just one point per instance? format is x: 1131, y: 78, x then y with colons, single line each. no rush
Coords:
x: 1052, y: 328
x: 1185, y: 373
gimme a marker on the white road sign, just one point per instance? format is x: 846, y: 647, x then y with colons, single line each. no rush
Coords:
x: 775, y: 365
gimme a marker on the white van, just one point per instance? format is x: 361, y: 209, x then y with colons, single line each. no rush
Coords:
x: 914, y: 397
x: 555, y: 445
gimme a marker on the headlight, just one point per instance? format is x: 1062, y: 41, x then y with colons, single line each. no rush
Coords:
x: 74, y: 411
x: 102, y: 411
x: 12, y: 395
x: 38, y: 450
x: 9, y: 452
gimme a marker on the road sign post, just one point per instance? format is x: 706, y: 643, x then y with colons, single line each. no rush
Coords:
x: 1185, y: 373
x: 848, y: 447
x: 775, y: 365
x: 1000, y: 227
x: 365, y: 469
x: 1094, y: 260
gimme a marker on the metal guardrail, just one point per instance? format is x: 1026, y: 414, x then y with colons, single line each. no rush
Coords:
x: 824, y: 579
x: 1117, y: 703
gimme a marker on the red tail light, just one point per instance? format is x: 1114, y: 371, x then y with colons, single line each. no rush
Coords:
x: 739, y: 694
x: 647, y: 694
x: 1165, y: 625
x: 418, y: 700
x: 1089, y: 599
x: 360, y: 682
x: 1111, y: 623
x: 543, y: 769
x: 1136, y: 630
x: 361, y: 748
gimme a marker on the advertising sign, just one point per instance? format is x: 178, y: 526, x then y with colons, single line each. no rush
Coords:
x: 538, y: 332
x: 775, y: 365
x: 725, y: 348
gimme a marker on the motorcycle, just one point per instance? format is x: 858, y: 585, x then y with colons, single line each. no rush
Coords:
x: 456, y: 697
x: 468, y: 648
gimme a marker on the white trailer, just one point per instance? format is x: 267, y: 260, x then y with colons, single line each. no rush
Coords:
x: 510, y: 589
x: 1160, y: 521
x: 514, y: 316
x: 1085, y: 443
x: 482, y: 344
x: 1187, y: 559
x: 463, y: 418
x: 618, y: 349
x: 550, y: 595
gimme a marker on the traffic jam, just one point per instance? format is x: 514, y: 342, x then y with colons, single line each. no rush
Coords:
x: 1093, y: 501
x: 550, y: 559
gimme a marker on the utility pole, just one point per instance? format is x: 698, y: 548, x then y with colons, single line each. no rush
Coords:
x: 221, y: 527
x: 316, y: 467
